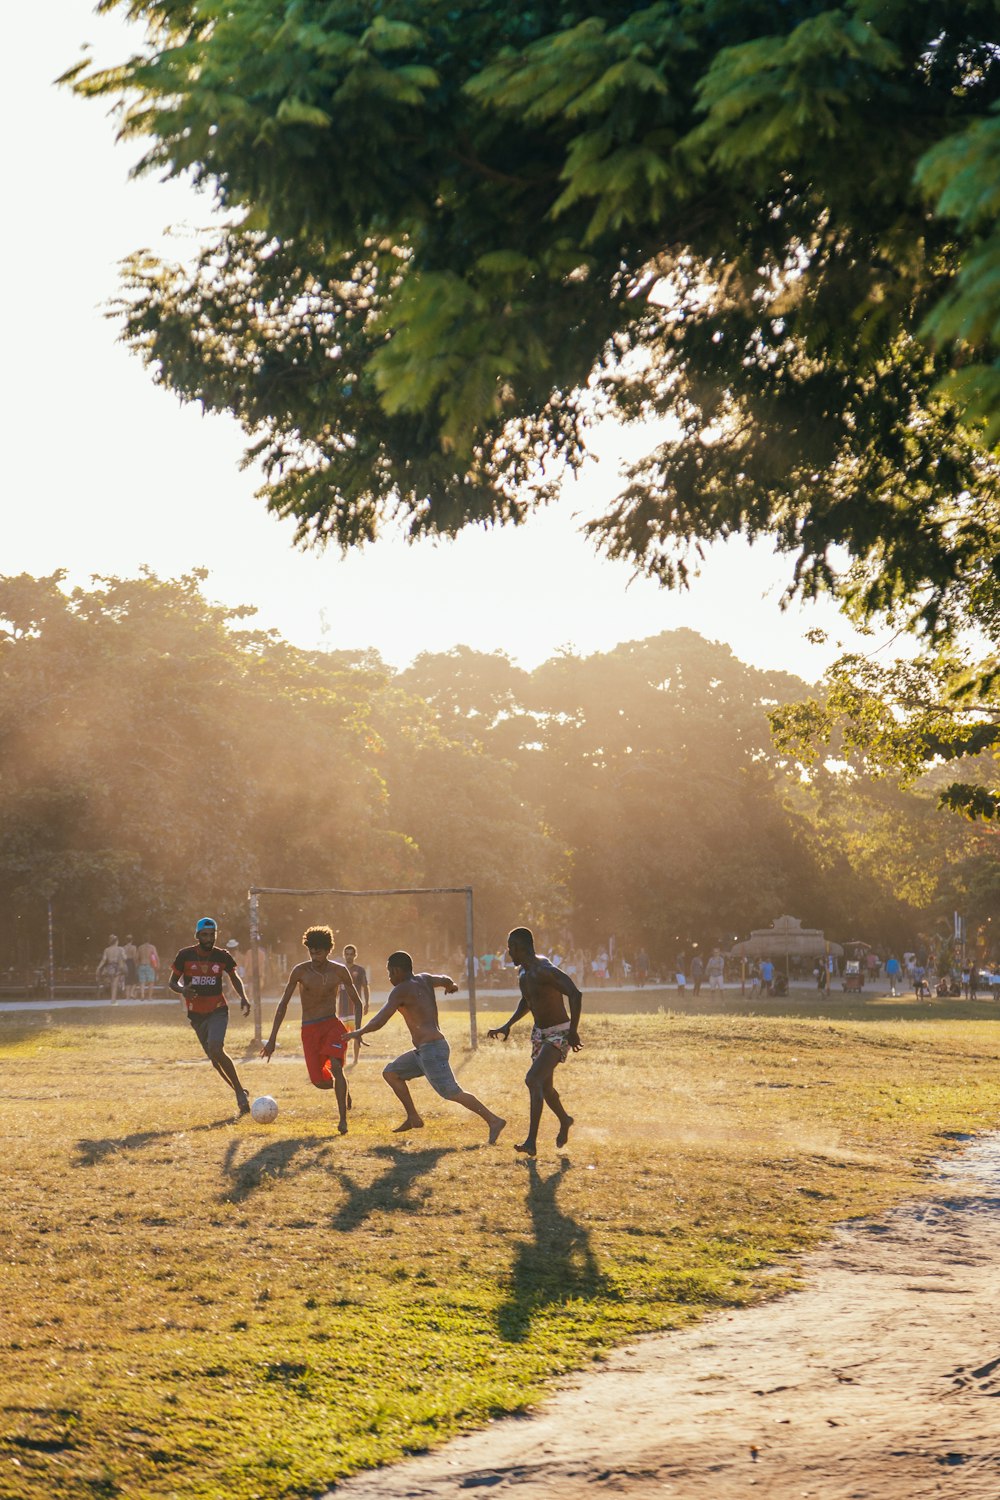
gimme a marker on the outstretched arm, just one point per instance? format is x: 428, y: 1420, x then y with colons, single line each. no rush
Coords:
x: 378, y: 1020
x: 279, y: 1014
x: 443, y: 982
x: 568, y: 988
x: 237, y: 984
x: 175, y: 983
x: 503, y: 1032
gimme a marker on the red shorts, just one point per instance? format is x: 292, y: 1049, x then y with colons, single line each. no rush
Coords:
x: 323, y: 1043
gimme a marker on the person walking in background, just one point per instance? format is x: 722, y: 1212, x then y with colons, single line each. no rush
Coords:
x: 697, y: 971
x: 766, y: 975
x: 352, y: 1011
x: 641, y: 968
x: 893, y: 971
x: 147, y: 969
x: 131, y: 967
x: 716, y: 970
x: 196, y: 975
x: 111, y: 968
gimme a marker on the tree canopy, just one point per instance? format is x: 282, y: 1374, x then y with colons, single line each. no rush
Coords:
x: 456, y: 235
x: 160, y: 755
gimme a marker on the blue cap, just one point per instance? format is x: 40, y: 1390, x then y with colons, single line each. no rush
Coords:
x: 205, y: 923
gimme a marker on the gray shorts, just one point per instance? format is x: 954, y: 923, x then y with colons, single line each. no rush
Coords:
x: 210, y: 1029
x: 431, y: 1062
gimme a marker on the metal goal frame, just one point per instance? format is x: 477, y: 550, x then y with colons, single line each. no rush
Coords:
x: 256, y: 891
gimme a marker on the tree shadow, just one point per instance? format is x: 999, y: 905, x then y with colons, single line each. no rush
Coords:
x: 92, y: 1152
x: 557, y: 1266
x: 390, y: 1193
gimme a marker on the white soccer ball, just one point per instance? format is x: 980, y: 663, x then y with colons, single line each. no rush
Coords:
x: 264, y: 1109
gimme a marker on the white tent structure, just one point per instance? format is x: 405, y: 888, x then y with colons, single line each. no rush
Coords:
x: 786, y: 939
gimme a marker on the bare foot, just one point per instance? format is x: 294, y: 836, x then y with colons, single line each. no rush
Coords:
x: 527, y: 1148
x: 342, y: 1127
x: 563, y: 1135
x: 496, y: 1126
x: 415, y: 1124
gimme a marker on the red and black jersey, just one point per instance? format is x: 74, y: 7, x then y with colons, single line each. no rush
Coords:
x: 201, y: 973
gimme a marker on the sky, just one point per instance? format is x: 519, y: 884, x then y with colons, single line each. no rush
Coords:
x: 105, y: 473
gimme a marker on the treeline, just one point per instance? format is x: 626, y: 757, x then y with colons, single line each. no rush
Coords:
x: 160, y: 755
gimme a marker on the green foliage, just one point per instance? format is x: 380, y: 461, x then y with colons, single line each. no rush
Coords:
x: 172, y: 755
x: 454, y: 235
x: 878, y: 729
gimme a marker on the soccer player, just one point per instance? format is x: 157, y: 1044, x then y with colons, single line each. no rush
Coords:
x: 196, y: 975
x: 324, y: 1035
x: 553, y: 1036
x: 413, y: 997
x: 347, y: 1009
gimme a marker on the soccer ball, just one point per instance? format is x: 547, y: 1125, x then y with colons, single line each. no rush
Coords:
x: 264, y: 1109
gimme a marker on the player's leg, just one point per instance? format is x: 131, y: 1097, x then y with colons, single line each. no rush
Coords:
x: 359, y: 1021
x: 435, y: 1060
x: 211, y: 1033
x: 340, y: 1088
x: 397, y: 1075
x: 469, y: 1101
x: 219, y: 1058
x: 551, y: 1096
x: 537, y: 1077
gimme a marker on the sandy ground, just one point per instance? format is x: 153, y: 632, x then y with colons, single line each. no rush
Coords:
x: 875, y: 1380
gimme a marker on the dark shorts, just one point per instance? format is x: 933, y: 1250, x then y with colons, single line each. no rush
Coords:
x: 431, y: 1061
x: 211, y: 1028
x: 322, y: 1045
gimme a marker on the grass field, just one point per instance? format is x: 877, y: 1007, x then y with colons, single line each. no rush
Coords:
x: 191, y: 1307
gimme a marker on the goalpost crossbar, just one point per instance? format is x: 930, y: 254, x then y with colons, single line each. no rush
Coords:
x: 255, y: 891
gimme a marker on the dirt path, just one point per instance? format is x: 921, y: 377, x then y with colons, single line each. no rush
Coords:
x: 874, y: 1381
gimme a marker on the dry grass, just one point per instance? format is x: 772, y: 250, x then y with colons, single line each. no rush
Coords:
x: 192, y: 1307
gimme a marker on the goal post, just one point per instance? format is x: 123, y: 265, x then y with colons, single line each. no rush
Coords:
x: 256, y: 891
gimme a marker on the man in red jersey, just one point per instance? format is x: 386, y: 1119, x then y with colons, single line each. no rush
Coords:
x: 196, y: 976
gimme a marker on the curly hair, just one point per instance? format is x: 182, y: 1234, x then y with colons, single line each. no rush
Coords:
x: 318, y: 937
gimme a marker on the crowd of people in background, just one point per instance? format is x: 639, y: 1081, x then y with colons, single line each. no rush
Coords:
x: 130, y: 970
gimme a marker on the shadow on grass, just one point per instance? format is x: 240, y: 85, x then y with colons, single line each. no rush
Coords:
x: 90, y: 1153
x: 266, y: 1165
x: 390, y: 1193
x: 556, y: 1266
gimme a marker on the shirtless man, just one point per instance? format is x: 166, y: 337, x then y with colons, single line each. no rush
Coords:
x: 553, y: 1036
x: 414, y: 999
x: 324, y: 1036
x: 148, y: 967
x: 347, y: 1010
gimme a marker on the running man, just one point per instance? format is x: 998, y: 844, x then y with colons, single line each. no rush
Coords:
x: 196, y: 975
x: 349, y: 1010
x: 554, y: 1034
x: 324, y: 1035
x: 413, y: 997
